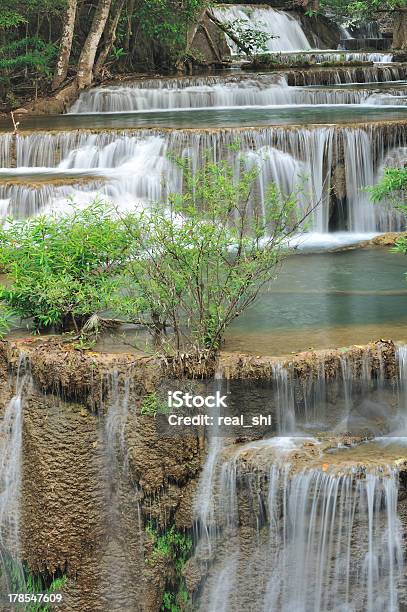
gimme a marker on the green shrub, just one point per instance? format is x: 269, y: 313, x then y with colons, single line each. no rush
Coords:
x: 393, y: 187
x: 202, y: 260
x: 62, y: 270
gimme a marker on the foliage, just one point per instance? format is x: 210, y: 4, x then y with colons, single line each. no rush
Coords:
x: 176, y: 602
x: 31, y: 52
x: 4, y: 322
x: 152, y: 404
x: 20, y: 579
x: 393, y: 186
x: 175, y: 547
x: 200, y: 262
x: 171, y: 544
x: 24, y: 47
x: 168, y: 21
x: 61, y: 270
x: 253, y: 39
x: 10, y: 19
x: 354, y: 11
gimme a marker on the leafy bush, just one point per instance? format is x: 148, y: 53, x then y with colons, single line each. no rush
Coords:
x: 254, y: 40
x: 200, y: 262
x: 28, y: 52
x: 61, y: 270
x: 152, y: 404
x: 393, y: 186
x: 167, y: 21
x: 171, y: 543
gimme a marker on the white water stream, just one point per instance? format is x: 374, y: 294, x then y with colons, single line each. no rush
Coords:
x: 333, y: 532
x: 11, y: 429
x: 289, y: 36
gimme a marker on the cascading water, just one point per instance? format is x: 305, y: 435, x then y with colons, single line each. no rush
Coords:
x: 284, y: 28
x: 361, y: 173
x: 136, y: 168
x: 20, y: 201
x: 11, y: 571
x: 261, y: 90
x: 351, y: 75
x: 376, y: 58
x: 241, y: 89
x: 337, y: 537
x: 323, y: 514
x: 204, y: 503
x: 401, y: 358
x: 286, y: 514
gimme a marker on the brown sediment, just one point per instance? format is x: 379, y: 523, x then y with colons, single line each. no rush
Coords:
x: 68, y: 481
x: 281, y: 342
x: 40, y: 181
x: 60, y: 368
x: 303, y: 364
x: 384, y: 240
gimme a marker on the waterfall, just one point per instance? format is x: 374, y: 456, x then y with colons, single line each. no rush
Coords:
x: 204, y: 502
x: 10, y: 481
x: 322, y: 515
x: 395, y: 98
x: 401, y: 359
x: 5, y: 149
x: 337, y: 537
x: 243, y: 89
x: 173, y: 94
x: 352, y: 75
x: 319, y: 57
x: 359, y: 170
x: 116, y: 417
x: 136, y: 166
x: 357, y: 56
x: 284, y: 397
x: 362, y: 171
x: 118, y: 588
x: 287, y: 29
x: 258, y: 90
x: 20, y: 201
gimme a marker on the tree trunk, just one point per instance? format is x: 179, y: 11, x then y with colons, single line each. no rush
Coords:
x: 228, y: 31
x: 87, y: 57
x: 109, y: 37
x: 400, y: 30
x: 129, y: 29
x: 61, y: 68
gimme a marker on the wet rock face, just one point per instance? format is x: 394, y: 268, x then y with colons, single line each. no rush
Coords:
x: 63, y: 498
x: 86, y: 502
x: 95, y: 510
x: 87, y: 497
x: 321, y: 32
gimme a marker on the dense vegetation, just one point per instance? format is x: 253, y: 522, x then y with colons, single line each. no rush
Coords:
x: 184, y: 272
x: 45, y: 45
